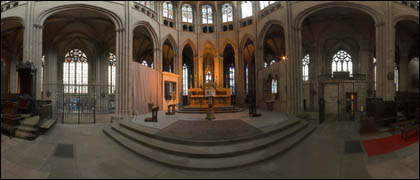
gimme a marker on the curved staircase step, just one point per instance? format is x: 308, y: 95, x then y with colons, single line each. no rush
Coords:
x: 29, y: 129
x: 210, y: 151
x: 151, y: 132
x: 25, y: 135
x: 209, y: 163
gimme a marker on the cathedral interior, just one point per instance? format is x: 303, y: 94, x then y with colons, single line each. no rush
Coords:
x: 210, y: 89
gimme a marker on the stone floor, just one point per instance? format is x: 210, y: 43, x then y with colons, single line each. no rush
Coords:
x: 321, y: 155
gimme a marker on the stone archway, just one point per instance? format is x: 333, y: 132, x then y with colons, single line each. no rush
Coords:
x: 12, y: 45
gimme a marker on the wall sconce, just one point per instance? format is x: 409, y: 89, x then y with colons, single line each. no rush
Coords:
x: 283, y: 58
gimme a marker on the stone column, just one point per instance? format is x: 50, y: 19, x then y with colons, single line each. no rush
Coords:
x: 294, y: 55
x: 36, y: 57
x: 240, y: 79
x: 195, y: 62
x: 385, y: 52
x: 122, y: 93
x: 200, y: 71
x: 51, y: 74
x: 13, y: 76
x: 220, y: 76
x: 404, y: 79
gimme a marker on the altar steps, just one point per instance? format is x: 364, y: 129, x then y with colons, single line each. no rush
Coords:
x: 209, y: 155
x: 229, y: 109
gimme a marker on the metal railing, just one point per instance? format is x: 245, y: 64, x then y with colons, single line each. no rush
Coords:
x: 75, y: 103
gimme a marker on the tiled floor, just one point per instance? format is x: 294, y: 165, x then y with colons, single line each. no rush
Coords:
x: 320, y: 155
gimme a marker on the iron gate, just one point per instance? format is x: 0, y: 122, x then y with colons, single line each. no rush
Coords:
x: 79, y: 104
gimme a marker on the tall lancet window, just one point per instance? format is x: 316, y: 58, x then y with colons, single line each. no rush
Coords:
x: 187, y: 13
x: 149, y: 4
x: 208, y: 77
x: 42, y: 74
x: 75, y: 72
x: 185, y: 80
x: 342, y: 62
x: 111, y: 73
x: 374, y: 70
x: 227, y: 13
x: 305, y: 68
x: 168, y: 10
x: 396, y: 78
x: 144, y: 63
x: 246, y: 79
x: 274, y: 86
x: 232, y: 79
x: 207, y: 14
x: 264, y: 4
x: 246, y: 8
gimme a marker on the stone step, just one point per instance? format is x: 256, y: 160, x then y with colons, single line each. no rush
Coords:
x: 211, y: 151
x: 30, y: 121
x: 48, y: 123
x: 151, y: 132
x: 209, y: 163
x: 29, y: 129
x: 25, y: 135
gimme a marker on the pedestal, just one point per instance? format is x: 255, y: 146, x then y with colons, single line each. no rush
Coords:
x: 210, y: 110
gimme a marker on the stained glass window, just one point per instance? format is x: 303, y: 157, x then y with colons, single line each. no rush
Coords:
x: 264, y: 4
x: 374, y: 70
x: 42, y: 73
x: 185, y: 80
x: 232, y: 79
x: 396, y: 78
x: 272, y: 62
x: 207, y: 14
x: 168, y: 11
x: 111, y: 73
x: 305, y: 68
x: 208, y: 77
x: 75, y: 72
x: 187, y: 13
x: 274, y: 86
x: 227, y: 13
x: 246, y: 79
x: 246, y: 8
x: 149, y: 4
x: 342, y: 62
x: 144, y: 63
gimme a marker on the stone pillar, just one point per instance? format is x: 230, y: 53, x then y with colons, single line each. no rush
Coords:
x: 404, y: 78
x: 294, y: 55
x: 122, y: 94
x: 196, y: 80
x: 200, y: 71
x: 51, y: 74
x: 364, y: 60
x: 36, y: 57
x: 13, y: 76
x: 385, y: 56
x: 240, y: 79
x: 220, y: 76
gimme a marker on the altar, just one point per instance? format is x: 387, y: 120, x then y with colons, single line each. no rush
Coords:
x: 197, y: 97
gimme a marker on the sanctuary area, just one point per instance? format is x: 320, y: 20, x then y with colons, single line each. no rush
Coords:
x: 209, y: 89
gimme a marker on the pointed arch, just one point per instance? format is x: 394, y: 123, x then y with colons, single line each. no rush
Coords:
x: 192, y: 45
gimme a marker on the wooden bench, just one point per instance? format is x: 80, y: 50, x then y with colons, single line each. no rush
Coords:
x: 171, y: 109
x: 154, y: 117
x: 405, y: 130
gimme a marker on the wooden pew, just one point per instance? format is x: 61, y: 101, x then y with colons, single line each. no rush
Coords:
x: 154, y: 117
